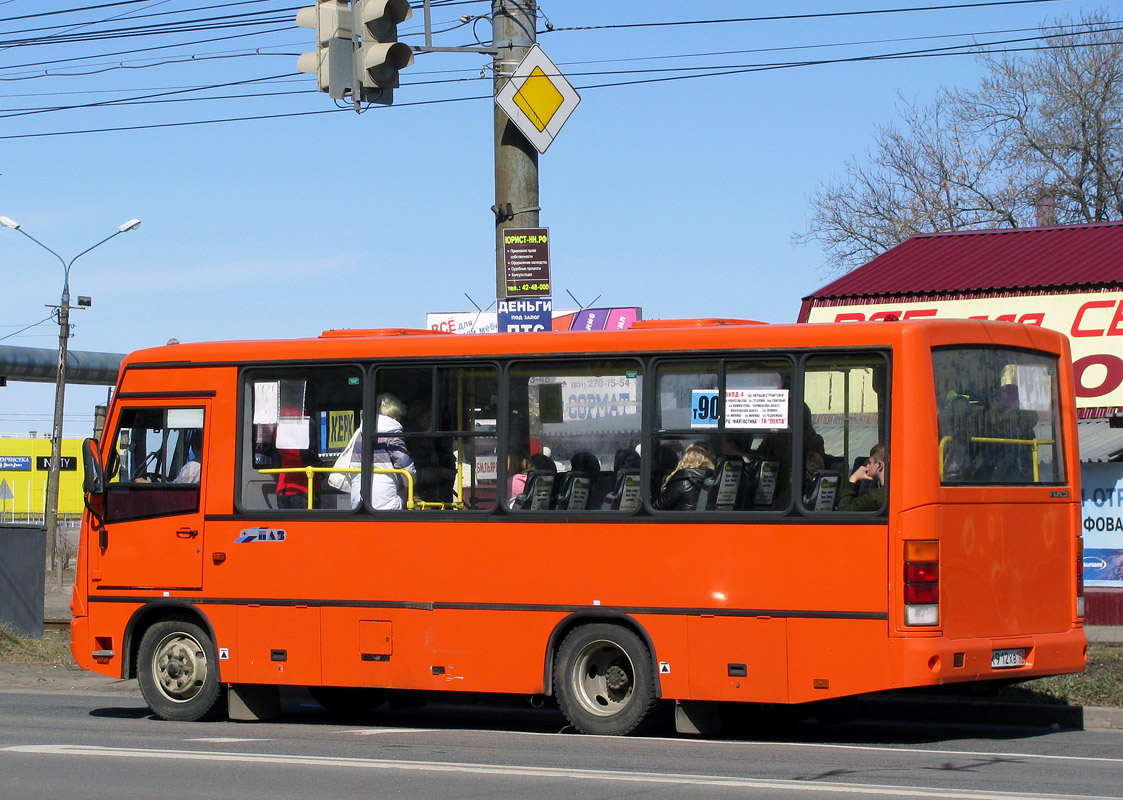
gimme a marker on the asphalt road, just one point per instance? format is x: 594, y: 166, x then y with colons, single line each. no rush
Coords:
x: 62, y: 738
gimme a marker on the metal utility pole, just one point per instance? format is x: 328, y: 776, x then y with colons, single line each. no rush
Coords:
x: 51, y: 510
x: 516, y: 160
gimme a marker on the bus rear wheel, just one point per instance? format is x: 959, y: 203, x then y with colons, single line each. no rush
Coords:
x: 177, y: 670
x: 604, y: 678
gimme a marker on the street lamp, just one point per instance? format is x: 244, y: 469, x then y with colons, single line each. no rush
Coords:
x: 51, y: 510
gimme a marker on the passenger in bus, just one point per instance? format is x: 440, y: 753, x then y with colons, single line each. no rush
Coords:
x: 682, y: 487
x: 388, y: 490
x: 543, y: 462
x: 585, y: 462
x: 813, y: 461
x: 518, y: 465
x: 875, y: 473
x: 292, y: 487
x: 664, y: 460
x: 193, y: 467
x: 777, y: 446
x: 1009, y: 462
x: 626, y: 458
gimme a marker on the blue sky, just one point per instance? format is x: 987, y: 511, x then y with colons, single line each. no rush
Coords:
x: 680, y: 196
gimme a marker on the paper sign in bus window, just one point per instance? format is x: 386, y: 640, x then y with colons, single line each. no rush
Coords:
x: 1035, y: 387
x: 704, y: 408
x: 756, y: 408
x: 185, y: 417
x: 265, y: 403
x: 292, y: 434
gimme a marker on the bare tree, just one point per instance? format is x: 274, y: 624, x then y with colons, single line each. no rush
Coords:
x: 1044, y: 127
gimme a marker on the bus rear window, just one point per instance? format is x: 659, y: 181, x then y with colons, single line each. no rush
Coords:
x: 997, y: 416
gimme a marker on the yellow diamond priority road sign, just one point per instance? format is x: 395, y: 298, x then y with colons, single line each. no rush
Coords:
x: 538, y: 99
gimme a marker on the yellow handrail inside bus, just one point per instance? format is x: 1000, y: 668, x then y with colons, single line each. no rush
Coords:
x: 1033, y: 443
x: 410, y: 502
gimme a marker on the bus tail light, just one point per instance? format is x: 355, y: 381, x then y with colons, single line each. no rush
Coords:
x: 922, y: 583
x: 1080, y: 577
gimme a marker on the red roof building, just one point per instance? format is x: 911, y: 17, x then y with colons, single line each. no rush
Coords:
x: 988, y: 262
x: 1068, y: 278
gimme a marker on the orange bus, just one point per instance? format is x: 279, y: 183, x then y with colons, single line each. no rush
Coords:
x: 679, y: 514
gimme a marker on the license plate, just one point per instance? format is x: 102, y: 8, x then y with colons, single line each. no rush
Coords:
x: 1006, y: 659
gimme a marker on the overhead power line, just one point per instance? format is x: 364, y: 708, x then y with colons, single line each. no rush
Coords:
x: 712, y: 74
x: 252, y: 21
x: 785, y: 17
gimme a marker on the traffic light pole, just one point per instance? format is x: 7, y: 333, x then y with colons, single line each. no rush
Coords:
x: 516, y: 159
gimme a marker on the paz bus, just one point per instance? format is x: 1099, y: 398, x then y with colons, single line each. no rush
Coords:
x: 522, y: 552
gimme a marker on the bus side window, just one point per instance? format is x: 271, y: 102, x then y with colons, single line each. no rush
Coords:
x: 441, y: 455
x: 845, y: 418
x: 573, y: 437
x: 723, y: 437
x: 297, y: 422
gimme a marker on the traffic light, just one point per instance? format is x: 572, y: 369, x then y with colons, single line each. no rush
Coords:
x: 333, y: 61
x: 382, y: 54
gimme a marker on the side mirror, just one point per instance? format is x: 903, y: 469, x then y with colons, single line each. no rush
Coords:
x: 94, y: 482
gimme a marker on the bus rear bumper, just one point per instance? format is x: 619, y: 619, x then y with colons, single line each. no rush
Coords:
x: 926, y: 662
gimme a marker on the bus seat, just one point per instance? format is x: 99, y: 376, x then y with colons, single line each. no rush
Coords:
x: 750, y: 480
x: 767, y: 476
x: 261, y: 494
x: 334, y: 499
x: 823, y: 492
x: 538, y: 493
x: 573, y: 493
x: 719, y: 492
x: 625, y: 492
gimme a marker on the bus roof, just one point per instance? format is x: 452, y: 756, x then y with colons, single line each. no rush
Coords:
x: 687, y: 335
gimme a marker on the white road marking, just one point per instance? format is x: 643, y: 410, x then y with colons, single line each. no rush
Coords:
x: 225, y: 740
x: 686, y: 742
x: 977, y: 753
x: 553, y: 773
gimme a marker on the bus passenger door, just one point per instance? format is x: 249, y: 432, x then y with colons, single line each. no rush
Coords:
x: 152, y: 536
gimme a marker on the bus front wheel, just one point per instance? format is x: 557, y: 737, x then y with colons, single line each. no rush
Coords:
x: 177, y: 670
x: 604, y: 678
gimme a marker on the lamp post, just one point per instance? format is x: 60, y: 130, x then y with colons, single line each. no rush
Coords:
x: 51, y: 510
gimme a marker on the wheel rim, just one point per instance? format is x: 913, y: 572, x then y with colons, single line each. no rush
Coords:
x: 604, y: 678
x: 179, y: 665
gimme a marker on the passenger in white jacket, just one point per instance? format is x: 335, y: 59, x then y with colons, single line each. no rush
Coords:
x: 387, y: 489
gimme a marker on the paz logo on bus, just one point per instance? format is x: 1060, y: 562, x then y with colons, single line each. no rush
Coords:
x: 260, y: 535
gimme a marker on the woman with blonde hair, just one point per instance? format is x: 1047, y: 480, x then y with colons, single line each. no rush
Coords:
x: 388, y: 490
x: 682, y: 487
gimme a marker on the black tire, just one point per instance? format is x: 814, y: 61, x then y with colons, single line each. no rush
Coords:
x: 177, y: 669
x: 347, y: 701
x: 604, y: 679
